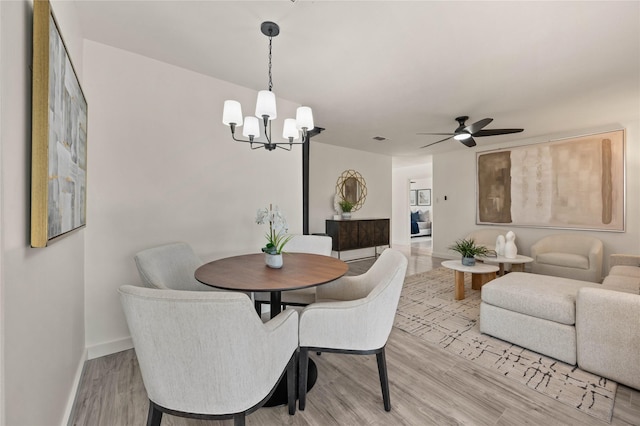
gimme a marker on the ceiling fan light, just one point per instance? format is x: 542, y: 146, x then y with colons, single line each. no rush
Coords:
x: 232, y: 113
x: 462, y: 136
x: 266, y: 105
x: 290, y: 131
x: 304, y: 118
x: 251, y: 127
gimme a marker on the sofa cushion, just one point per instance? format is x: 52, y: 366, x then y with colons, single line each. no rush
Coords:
x: 540, y: 296
x: 625, y: 271
x: 424, y: 216
x: 424, y: 225
x: 569, y: 260
x: 622, y: 283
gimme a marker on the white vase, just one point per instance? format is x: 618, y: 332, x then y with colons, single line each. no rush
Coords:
x: 500, y: 242
x: 510, y: 249
x: 346, y: 215
x: 273, y: 260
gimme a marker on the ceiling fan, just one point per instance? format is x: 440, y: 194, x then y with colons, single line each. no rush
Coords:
x: 466, y: 133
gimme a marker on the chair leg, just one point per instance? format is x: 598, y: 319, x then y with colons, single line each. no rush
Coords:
x: 291, y: 385
x: 384, y: 379
x: 258, y: 306
x: 238, y: 419
x: 303, y: 364
x: 155, y: 416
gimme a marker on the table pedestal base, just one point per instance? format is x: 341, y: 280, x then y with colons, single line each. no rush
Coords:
x: 477, y: 281
x: 279, y: 397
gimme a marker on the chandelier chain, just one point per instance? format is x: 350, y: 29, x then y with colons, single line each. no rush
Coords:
x: 270, y: 81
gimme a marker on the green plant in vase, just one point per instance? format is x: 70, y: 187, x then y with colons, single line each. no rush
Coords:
x: 469, y: 250
x: 346, y: 207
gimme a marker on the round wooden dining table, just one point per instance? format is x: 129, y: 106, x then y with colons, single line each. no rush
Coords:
x: 249, y: 273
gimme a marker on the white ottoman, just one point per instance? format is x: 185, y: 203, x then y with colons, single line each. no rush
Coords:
x: 533, y: 311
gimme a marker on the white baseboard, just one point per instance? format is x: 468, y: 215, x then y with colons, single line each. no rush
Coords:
x: 74, y: 390
x: 109, y: 348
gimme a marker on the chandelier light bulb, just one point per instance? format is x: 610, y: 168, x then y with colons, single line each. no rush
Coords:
x: 266, y: 105
x: 232, y: 113
x: 304, y: 118
x: 251, y: 128
x: 290, y: 131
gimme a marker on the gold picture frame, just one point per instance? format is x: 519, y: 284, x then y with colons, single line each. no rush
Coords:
x: 59, y: 135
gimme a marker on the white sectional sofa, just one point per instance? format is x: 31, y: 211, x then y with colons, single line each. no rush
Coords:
x: 596, y: 326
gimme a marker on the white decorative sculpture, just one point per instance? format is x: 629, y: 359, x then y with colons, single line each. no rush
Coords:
x: 500, y: 245
x: 336, y: 204
x: 510, y: 249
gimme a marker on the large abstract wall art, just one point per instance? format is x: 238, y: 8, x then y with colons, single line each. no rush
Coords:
x: 59, y: 135
x: 576, y: 183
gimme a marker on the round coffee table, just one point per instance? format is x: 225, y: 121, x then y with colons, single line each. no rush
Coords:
x: 481, y: 274
x: 517, y: 263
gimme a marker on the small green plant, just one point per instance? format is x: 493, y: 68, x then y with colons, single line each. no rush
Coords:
x: 346, y: 206
x: 468, y: 248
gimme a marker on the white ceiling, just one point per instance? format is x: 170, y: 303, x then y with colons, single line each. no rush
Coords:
x: 394, y: 68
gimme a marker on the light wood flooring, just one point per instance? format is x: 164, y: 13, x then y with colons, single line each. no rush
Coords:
x: 428, y: 387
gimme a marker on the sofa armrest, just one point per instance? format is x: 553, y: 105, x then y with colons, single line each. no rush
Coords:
x: 608, y: 334
x: 624, y: 259
x: 539, y: 247
x: 595, y: 259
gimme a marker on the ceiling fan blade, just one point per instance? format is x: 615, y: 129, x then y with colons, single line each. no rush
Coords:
x: 473, y: 128
x: 494, y: 132
x: 442, y: 134
x: 468, y: 142
x: 433, y: 143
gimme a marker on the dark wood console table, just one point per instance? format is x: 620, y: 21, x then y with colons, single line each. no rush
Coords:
x: 352, y: 234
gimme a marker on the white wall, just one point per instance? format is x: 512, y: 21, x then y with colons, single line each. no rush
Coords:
x: 162, y: 167
x: 327, y: 162
x: 454, y: 177
x: 42, y: 289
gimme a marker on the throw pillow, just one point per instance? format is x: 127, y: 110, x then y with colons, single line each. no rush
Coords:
x: 415, y: 216
x: 424, y: 216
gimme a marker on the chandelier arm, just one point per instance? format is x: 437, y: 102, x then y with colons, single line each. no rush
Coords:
x: 278, y: 145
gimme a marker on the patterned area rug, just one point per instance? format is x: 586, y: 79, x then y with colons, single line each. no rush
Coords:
x: 428, y: 310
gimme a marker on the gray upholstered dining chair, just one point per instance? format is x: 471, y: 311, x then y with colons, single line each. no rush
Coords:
x: 313, y: 244
x: 207, y: 355
x: 170, y: 266
x: 354, y: 315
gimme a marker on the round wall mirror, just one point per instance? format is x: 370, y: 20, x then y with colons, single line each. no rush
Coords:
x: 352, y: 187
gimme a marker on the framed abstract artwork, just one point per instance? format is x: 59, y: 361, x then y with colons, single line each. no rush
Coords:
x: 59, y: 135
x: 424, y: 197
x: 573, y: 183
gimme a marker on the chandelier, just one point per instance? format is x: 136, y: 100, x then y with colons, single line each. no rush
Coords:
x: 266, y: 111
